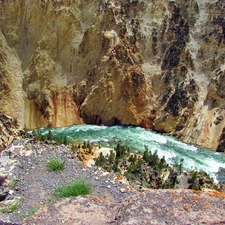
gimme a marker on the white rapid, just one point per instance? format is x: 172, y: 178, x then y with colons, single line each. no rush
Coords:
x: 137, y: 139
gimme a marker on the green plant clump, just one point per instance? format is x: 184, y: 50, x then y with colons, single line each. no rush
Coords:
x: 56, y: 164
x: 31, y: 212
x: 12, y: 208
x: 77, y: 187
x: 194, y: 182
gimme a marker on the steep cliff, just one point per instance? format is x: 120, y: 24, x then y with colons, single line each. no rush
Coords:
x: 157, y: 64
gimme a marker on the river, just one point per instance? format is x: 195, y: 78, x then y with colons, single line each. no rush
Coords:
x: 136, y: 138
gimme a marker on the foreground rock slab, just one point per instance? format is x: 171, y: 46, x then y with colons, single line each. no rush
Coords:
x: 150, y: 207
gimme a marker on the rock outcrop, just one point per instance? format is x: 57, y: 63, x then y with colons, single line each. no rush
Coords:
x: 156, y: 64
x: 8, y: 130
x: 151, y: 207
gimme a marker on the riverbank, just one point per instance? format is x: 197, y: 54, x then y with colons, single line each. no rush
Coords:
x: 146, y: 170
x: 137, y: 139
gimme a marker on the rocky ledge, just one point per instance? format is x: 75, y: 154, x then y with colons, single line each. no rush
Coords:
x: 28, y: 185
x: 151, y: 207
x: 9, y: 130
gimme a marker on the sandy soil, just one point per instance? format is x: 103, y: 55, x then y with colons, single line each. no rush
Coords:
x: 97, y: 151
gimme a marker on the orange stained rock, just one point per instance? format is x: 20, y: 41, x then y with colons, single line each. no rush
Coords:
x: 186, y: 207
x: 195, y: 198
x: 197, y: 191
x: 211, y: 193
x: 70, y: 218
x: 206, y: 204
x: 217, y: 194
x: 119, y: 177
x: 173, y: 194
x: 95, y: 198
x: 179, y: 196
x: 206, y: 133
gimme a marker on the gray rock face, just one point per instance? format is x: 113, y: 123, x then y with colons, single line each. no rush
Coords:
x: 157, y: 64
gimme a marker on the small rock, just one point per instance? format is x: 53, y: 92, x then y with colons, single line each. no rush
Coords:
x: 122, y: 190
x: 4, y: 160
x: 9, y: 202
x: 3, y: 196
x: 104, y: 173
x: 118, y: 178
x: 108, y: 186
x: 10, y: 192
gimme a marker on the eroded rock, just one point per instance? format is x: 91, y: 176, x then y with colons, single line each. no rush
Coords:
x: 9, y: 130
x: 159, y: 65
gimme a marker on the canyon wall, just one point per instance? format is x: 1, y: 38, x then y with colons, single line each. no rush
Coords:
x: 155, y: 64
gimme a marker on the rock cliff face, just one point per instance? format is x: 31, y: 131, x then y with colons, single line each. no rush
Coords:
x: 157, y: 64
x: 9, y: 131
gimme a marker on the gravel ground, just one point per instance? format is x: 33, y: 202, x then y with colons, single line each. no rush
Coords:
x: 25, y: 164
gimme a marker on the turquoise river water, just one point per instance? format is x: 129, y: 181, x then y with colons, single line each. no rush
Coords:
x: 136, y: 138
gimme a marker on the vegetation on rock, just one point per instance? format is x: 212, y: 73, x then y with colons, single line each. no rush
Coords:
x: 56, y: 164
x: 50, y: 137
x: 148, y: 170
x: 145, y: 170
x: 77, y: 187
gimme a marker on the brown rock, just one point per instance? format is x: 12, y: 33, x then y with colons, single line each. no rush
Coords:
x: 9, y: 130
x: 122, y: 190
x: 159, y: 65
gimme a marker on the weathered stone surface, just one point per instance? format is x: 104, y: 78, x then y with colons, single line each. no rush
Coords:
x: 157, y: 64
x: 221, y: 146
x: 8, y: 130
x: 149, y: 207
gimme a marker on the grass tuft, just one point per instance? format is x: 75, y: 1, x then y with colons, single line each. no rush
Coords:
x: 31, y: 212
x: 77, y: 187
x: 56, y: 164
x: 12, y: 208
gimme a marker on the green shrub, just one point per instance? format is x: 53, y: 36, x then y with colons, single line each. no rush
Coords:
x: 74, y: 148
x: 56, y: 164
x: 101, y: 160
x: 194, y: 184
x: 151, y: 159
x: 121, y: 151
x: 77, y: 187
x: 49, y: 136
x: 84, y: 146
